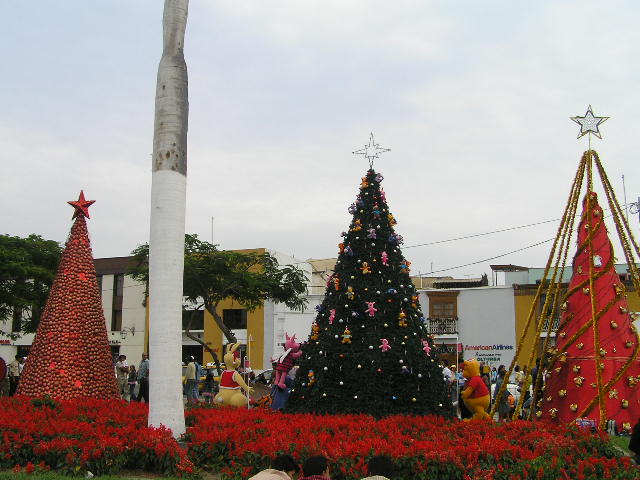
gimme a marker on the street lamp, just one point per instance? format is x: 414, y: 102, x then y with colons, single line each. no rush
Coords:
x: 125, y: 330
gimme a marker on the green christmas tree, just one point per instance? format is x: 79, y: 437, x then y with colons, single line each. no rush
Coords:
x: 369, y: 350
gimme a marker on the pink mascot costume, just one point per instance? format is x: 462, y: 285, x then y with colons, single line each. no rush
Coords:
x: 285, y: 361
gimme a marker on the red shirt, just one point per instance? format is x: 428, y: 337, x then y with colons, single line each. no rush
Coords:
x: 227, y: 380
x: 479, y: 387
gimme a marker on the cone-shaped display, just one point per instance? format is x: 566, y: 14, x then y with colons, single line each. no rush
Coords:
x: 368, y: 351
x: 573, y: 389
x: 70, y: 356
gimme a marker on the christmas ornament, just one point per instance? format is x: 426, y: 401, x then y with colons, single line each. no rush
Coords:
x: 589, y: 123
x: 384, y: 345
x: 426, y: 347
x: 371, y: 310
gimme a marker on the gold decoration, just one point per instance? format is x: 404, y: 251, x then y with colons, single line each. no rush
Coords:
x: 632, y: 381
x: 578, y: 381
x: 603, y: 352
x: 557, y: 369
x: 585, y: 290
x: 626, y: 426
x: 613, y: 324
x: 549, y: 398
x: 579, y: 268
x: 562, y: 393
x: 346, y: 336
x: 624, y: 403
x: 594, y: 385
x: 580, y: 346
x: 366, y: 269
x: 564, y: 306
x: 613, y: 393
x: 563, y: 334
x: 573, y: 407
x: 628, y: 344
x: 623, y: 310
x: 576, y: 368
x: 601, y: 365
x: 563, y: 357
x: 553, y: 412
x: 538, y: 414
x: 619, y: 288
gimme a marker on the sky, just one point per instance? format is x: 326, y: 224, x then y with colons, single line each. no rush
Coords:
x: 473, y: 99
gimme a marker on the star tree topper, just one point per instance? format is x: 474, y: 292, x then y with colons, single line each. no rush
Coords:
x: 371, y: 151
x: 81, y: 206
x: 589, y: 123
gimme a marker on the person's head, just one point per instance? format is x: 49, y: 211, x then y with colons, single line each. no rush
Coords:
x: 517, y: 368
x: 144, y: 356
x: 18, y: 357
x: 381, y: 465
x: 132, y: 368
x: 286, y: 464
x: 122, y: 357
x: 502, y: 368
x: 315, y: 466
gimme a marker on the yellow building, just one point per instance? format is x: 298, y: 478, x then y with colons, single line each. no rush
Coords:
x: 525, y: 283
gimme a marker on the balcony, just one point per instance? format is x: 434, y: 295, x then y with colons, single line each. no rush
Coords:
x: 442, y: 326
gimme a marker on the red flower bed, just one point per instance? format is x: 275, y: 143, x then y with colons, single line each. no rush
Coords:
x: 101, y: 436
x: 105, y: 436
x: 240, y: 442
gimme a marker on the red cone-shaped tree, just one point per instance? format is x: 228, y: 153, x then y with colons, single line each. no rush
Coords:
x: 573, y: 388
x: 70, y: 356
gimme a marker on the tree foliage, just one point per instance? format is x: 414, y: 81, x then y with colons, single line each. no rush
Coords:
x: 27, y: 270
x: 249, y: 278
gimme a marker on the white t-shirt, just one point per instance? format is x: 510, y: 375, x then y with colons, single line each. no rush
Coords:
x: 120, y: 373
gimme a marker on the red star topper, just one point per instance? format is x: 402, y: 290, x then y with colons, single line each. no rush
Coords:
x: 81, y: 206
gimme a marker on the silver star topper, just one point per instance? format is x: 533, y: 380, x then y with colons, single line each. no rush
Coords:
x: 589, y: 123
x: 371, y: 151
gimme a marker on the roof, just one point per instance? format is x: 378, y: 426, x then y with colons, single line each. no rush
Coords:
x: 113, y: 265
x: 508, y: 268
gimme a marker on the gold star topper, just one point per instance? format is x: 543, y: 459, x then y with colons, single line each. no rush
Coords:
x: 589, y: 123
x: 371, y: 151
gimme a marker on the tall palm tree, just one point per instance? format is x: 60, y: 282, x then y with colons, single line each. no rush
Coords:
x: 166, y: 243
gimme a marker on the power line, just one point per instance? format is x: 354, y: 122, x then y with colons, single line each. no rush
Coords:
x: 487, y: 259
x: 482, y: 234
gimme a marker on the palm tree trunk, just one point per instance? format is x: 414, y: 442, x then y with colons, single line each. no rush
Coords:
x: 166, y: 242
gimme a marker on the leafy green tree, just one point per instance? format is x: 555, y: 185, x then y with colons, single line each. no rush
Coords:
x: 27, y: 270
x: 212, y: 275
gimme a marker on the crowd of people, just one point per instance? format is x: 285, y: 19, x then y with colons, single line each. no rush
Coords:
x: 133, y: 384
x: 284, y: 467
x: 494, y: 377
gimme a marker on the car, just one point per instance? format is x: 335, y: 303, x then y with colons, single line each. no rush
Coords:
x: 265, y: 378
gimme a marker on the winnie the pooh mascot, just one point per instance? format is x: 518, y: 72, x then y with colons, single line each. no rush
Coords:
x: 475, y: 394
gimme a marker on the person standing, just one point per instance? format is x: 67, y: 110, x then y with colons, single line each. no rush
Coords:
x: 132, y: 382
x: 143, y: 379
x: 191, y: 382
x: 122, y: 376
x: 14, y: 375
x: 4, y: 379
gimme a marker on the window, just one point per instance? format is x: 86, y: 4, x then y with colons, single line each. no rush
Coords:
x: 235, y: 318
x: 194, y: 351
x: 198, y: 319
x: 547, y: 315
x: 118, y: 284
x: 116, y: 320
x: 116, y: 311
x: 443, y: 304
x: 444, y: 310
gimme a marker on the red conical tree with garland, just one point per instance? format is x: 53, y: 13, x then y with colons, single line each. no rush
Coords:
x: 70, y: 356
x: 596, y: 371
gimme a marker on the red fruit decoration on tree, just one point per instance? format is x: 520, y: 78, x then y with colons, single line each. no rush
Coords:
x: 595, y: 373
x: 70, y: 356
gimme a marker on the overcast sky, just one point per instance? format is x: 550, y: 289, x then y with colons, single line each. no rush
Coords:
x: 473, y: 98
